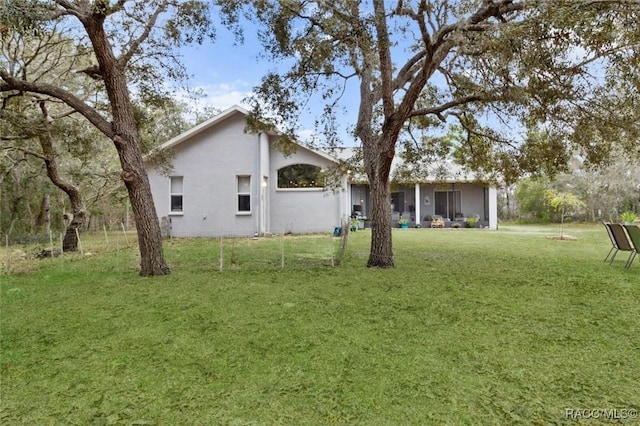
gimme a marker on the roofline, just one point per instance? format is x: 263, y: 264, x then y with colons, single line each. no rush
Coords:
x: 182, y: 137
x: 202, y: 127
x: 429, y: 182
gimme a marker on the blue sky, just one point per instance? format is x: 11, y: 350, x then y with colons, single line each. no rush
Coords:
x: 226, y: 72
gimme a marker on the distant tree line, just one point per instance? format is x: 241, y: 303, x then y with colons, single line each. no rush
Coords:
x: 605, y: 193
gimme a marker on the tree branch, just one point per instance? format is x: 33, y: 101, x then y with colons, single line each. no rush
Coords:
x: 26, y: 152
x: 134, y: 45
x: 438, y: 110
x: 386, y: 66
x: 13, y: 84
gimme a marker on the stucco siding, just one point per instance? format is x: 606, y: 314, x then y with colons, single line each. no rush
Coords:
x: 471, y: 200
x: 303, y: 210
x: 210, y: 163
x: 427, y: 201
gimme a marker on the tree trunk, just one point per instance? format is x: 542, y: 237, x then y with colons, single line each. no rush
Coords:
x: 70, y: 241
x: 44, y: 215
x: 381, y: 253
x: 125, y: 137
x: 378, y: 154
x: 152, y: 260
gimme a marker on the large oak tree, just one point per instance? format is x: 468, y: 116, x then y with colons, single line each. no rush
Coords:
x: 133, y: 43
x: 492, y: 68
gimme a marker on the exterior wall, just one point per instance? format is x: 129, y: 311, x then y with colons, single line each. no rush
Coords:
x: 472, y: 200
x: 209, y: 163
x: 303, y: 210
x: 427, y: 201
x: 211, y: 159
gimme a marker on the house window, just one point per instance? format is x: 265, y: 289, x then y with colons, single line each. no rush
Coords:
x: 447, y: 203
x: 176, y: 194
x: 244, y: 194
x: 300, y: 176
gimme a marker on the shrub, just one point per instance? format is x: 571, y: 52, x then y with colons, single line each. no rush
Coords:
x: 628, y: 216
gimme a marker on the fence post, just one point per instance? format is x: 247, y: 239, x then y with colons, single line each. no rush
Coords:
x: 51, y: 242
x: 79, y: 242
x: 124, y: 231
x: 282, y: 251
x: 7, y: 262
x: 221, y: 259
x: 332, y: 251
x: 344, y: 237
x: 106, y: 237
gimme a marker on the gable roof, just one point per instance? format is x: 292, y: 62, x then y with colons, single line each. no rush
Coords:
x: 207, y: 124
x: 229, y: 112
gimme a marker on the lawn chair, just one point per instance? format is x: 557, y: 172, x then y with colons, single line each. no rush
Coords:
x: 437, y: 222
x: 619, y: 240
x: 614, y: 243
x: 634, y: 235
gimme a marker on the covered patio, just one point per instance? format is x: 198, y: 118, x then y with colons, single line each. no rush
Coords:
x: 455, y: 202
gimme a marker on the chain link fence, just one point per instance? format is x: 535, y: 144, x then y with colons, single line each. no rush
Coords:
x: 118, y: 250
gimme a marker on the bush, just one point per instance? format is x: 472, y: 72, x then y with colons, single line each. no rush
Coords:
x: 628, y: 217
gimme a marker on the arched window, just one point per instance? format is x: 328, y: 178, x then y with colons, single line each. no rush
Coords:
x: 300, y: 176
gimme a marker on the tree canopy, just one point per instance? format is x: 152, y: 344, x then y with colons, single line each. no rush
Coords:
x: 525, y: 83
x: 133, y: 46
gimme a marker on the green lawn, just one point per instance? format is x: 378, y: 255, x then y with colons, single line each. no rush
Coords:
x: 471, y: 327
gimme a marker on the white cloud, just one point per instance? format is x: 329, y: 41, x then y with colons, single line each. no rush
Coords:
x: 221, y: 96
x: 225, y: 95
x: 306, y: 135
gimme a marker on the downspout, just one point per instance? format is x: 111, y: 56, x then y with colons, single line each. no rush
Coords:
x: 263, y: 190
x: 257, y: 186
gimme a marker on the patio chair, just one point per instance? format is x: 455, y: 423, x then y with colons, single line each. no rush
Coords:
x: 614, y: 244
x: 619, y: 240
x: 634, y: 235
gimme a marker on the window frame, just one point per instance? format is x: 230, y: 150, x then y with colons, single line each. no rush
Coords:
x: 243, y: 194
x: 172, y: 194
x: 318, y: 169
x: 453, y: 201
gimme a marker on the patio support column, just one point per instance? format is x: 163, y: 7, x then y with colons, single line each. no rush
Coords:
x: 493, y: 207
x: 347, y: 199
x: 417, y: 204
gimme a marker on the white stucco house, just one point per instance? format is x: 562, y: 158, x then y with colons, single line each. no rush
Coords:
x: 225, y: 181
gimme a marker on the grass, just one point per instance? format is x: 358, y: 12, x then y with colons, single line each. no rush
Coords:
x: 471, y: 327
